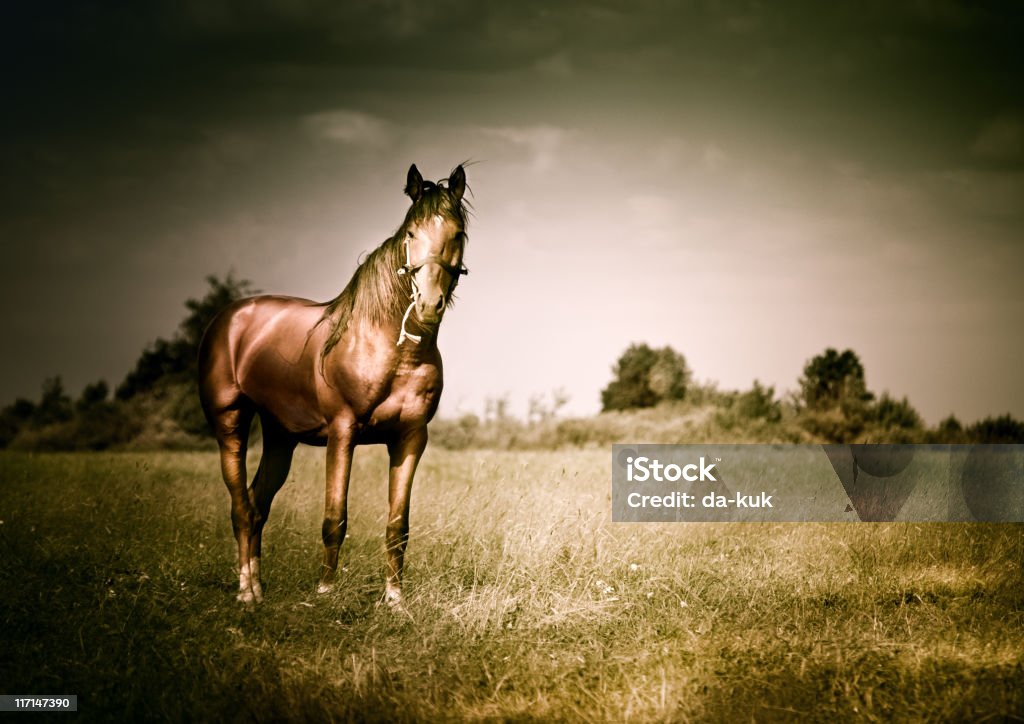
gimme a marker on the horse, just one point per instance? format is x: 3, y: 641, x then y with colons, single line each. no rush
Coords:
x: 361, y: 369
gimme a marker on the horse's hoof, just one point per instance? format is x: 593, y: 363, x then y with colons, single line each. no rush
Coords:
x: 395, y: 607
x: 247, y: 598
x: 393, y: 600
x: 323, y: 587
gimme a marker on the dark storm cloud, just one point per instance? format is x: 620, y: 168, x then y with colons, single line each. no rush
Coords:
x: 85, y: 68
x: 82, y: 73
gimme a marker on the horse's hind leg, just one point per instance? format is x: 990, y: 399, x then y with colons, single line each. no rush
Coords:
x: 270, y: 476
x: 232, y: 428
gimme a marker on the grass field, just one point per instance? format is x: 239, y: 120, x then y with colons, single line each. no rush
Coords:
x: 525, y: 602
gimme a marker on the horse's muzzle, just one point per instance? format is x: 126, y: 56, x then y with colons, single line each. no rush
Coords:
x: 430, y: 311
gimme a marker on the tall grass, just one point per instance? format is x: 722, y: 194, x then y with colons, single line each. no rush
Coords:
x: 679, y: 422
x: 524, y: 601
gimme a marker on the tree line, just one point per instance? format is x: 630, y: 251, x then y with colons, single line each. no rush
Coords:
x: 832, y: 402
x: 156, y: 404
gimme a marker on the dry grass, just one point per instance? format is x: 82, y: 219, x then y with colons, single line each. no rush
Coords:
x: 525, y: 602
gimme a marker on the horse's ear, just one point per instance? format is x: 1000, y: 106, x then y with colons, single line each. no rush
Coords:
x: 414, y: 184
x: 457, y: 182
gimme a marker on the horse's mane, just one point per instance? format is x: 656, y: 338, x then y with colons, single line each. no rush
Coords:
x: 376, y: 291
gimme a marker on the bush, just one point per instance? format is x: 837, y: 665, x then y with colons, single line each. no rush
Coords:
x: 759, y: 403
x: 834, y: 397
x: 832, y: 425
x: 54, y: 405
x: 994, y: 430
x: 13, y: 418
x: 948, y: 432
x: 458, y: 434
x: 889, y: 412
x: 832, y: 379
x: 645, y: 377
x: 894, y: 421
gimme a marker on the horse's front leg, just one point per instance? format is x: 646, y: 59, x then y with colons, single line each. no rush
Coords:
x: 405, y: 455
x: 339, y: 465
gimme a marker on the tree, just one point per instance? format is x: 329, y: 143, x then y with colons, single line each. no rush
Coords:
x: 832, y: 379
x: 202, y: 311
x: 539, y: 410
x: 54, y: 404
x: 992, y: 430
x: 100, y: 422
x: 892, y: 413
x: 175, y: 359
x: 13, y: 418
x: 669, y: 375
x: 160, y: 360
x: 834, y: 396
x: 94, y: 421
x: 894, y: 421
x: 92, y: 396
x: 948, y: 432
x: 644, y: 377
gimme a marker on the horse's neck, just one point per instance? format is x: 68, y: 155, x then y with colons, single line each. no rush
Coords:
x: 383, y: 340
x: 411, y: 351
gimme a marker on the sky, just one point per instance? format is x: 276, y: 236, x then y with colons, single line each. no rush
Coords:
x: 749, y: 183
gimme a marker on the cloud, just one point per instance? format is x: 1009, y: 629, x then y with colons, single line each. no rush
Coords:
x: 713, y: 157
x: 980, y: 194
x: 541, y: 143
x: 351, y: 127
x: 1001, y: 138
x: 557, y: 66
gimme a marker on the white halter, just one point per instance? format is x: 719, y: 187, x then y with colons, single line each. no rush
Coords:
x: 410, y: 269
x: 415, y: 296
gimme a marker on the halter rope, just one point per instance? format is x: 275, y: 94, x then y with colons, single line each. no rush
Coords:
x: 402, y: 271
x: 409, y: 269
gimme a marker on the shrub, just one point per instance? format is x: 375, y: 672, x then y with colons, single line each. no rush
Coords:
x: 833, y: 379
x: 993, y: 430
x: 457, y: 434
x: 644, y: 377
x: 13, y: 418
x: 948, y: 432
x: 759, y: 403
x: 834, y: 397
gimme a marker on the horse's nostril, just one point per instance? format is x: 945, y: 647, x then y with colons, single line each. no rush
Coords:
x: 440, y: 304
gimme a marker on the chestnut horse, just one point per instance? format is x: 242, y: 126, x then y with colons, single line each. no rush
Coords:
x: 361, y: 369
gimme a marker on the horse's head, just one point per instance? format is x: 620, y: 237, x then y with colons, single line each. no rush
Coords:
x: 435, y: 238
